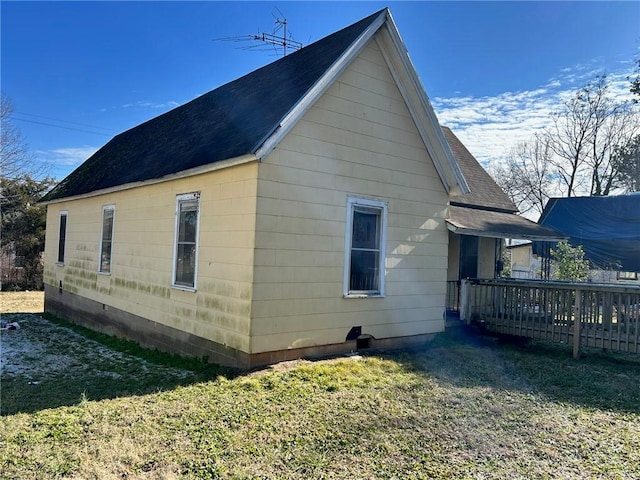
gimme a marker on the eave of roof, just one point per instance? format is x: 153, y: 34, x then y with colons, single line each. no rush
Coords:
x: 209, y: 167
x: 485, y: 223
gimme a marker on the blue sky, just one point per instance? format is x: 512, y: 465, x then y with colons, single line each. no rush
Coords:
x: 78, y: 73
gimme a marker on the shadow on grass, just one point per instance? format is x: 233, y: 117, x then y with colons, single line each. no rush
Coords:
x: 73, y: 372
x: 464, y: 357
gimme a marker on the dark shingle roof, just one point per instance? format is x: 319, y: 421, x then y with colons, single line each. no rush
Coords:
x: 487, y: 223
x: 485, y: 192
x: 228, y: 122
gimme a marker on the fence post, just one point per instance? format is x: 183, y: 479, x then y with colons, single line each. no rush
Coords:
x: 577, y: 320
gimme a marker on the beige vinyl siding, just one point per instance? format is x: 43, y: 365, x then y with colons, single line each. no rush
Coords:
x: 358, y: 139
x: 521, y: 256
x: 142, y: 256
x: 453, y: 272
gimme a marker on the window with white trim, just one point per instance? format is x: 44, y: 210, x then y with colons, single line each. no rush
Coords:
x: 186, y: 240
x: 62, y: 236
x: 627, y: 275
x: 365, y: 247
x: 106, y: 239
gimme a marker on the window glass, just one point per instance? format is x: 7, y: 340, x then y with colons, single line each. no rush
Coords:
x: 366, y: 228
x: 365, y: 250
x: 62, y: 236
x: 107, y: 239
x: 186, y: 240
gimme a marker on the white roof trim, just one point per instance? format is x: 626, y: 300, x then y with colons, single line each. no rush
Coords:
x: 210, y: 167
x: 321, y: 86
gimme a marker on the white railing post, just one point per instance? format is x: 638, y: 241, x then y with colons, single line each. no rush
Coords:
x: 465, y: 301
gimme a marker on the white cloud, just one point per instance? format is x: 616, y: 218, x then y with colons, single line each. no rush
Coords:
x: 144, y: 104
x: 147, y: 104
x: 65, y: 157
x: 491, y: 126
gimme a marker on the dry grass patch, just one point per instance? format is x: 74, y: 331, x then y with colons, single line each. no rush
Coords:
x: 21, y: 302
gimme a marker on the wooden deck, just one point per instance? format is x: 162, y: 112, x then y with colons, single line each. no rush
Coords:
x: 579, y: 314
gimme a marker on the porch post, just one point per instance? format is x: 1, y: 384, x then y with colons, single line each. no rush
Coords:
x: 465, y: 301
x: 577, y: 320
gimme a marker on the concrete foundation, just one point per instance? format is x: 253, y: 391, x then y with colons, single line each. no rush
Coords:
x: 150, y: 334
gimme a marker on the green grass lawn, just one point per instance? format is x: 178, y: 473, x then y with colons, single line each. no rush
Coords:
x: 464, y: 407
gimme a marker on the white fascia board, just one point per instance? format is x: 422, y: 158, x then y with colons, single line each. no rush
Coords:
x: 320, y: 87
x: 420, y: 108
x: 210, y: 167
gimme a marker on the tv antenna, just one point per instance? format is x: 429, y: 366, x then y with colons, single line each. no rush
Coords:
x: 274, y: 39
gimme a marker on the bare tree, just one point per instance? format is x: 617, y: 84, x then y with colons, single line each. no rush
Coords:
x: 586, y: 150
x: 570, y: 136
x: 527, y: 175
x: 583, y: 137
x: 614, y: 123
x: 14, y: 155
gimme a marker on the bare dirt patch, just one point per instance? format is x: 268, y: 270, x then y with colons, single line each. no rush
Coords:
x: 21, y: 302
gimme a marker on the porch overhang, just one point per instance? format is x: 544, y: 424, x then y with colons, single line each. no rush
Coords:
x: 487, y: 223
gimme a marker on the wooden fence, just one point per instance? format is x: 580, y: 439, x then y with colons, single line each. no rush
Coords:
x: 578, y: 314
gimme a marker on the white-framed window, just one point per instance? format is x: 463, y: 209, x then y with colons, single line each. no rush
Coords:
x: 185, y: 256
x: 106, y: 238
x: 365, y: 241
x: 627, y: 275
x: 62, y: 236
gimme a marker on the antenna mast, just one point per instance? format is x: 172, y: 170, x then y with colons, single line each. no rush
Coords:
x: 285, y: 41
x: 280, y: 41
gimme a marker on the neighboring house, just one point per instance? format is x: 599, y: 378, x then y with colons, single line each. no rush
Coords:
x: 298, y: 210
x: 479, y: 222
x: 524, y: 263
x: 11, y: 269
x: 607, y: 228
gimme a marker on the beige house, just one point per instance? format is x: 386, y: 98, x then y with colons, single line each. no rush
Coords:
x: 299, y: 210
x: 524, y: 264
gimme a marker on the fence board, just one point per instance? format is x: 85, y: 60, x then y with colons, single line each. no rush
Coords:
x: 578, y: 314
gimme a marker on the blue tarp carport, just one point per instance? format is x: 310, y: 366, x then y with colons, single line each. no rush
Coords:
x: 608, y: 228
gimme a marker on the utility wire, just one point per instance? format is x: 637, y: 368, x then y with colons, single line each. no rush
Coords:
x: 61, y: 126
x: 65, y: 121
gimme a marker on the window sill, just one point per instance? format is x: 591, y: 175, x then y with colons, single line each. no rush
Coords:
x: 60, y: 264
x: 363, y: 295
x: 184, y: 288
x: 106, y: 274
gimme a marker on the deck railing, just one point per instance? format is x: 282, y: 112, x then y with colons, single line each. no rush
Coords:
x: 579, y: 314
x: 453, y: 296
